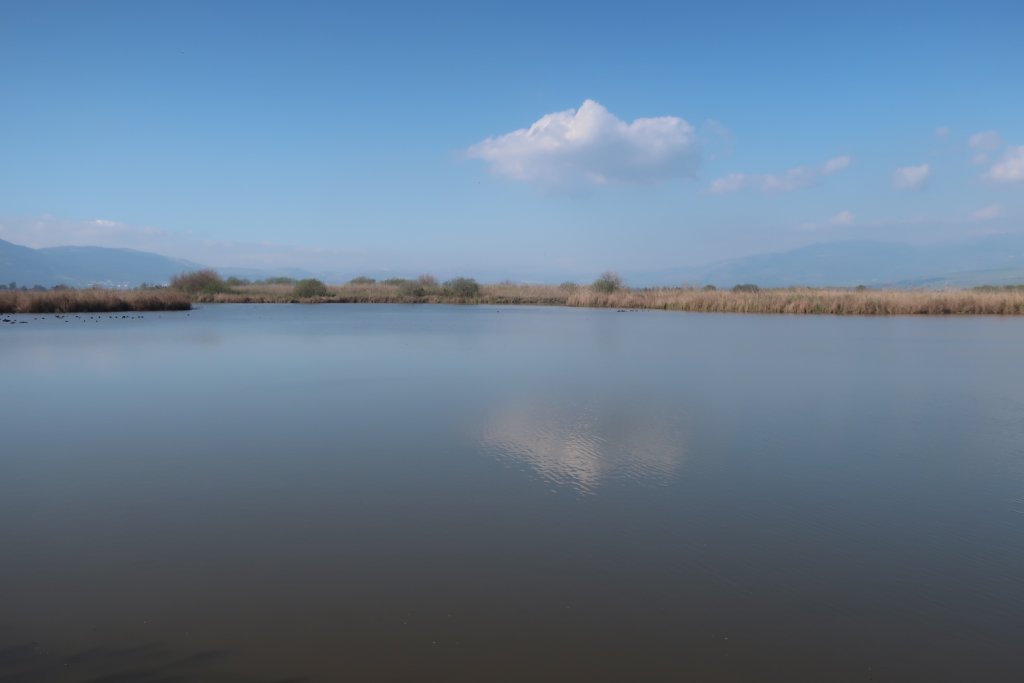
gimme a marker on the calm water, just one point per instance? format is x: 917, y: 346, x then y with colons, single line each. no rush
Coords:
x: 402, y: 493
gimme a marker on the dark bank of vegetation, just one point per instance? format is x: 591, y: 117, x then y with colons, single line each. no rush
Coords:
x: 93, y: 300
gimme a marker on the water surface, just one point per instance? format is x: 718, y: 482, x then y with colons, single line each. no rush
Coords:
x: 383, y: 493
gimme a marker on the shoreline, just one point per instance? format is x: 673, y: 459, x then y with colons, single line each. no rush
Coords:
x: 791, y: 301
x: 787, y: 301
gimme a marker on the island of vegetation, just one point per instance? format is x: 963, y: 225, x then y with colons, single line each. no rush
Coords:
x: 608, y: 291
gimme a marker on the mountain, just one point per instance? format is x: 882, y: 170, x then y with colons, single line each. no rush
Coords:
x: 84, y: 266
x: 851, y: 263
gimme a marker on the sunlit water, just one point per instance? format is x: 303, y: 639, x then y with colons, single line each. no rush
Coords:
x: 327, y: 493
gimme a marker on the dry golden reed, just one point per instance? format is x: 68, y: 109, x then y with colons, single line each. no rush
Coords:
x: 800, y: 301
x: 796, y: 301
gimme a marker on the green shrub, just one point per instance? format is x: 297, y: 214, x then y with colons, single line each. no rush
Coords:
x: 199, y: 282
x: 462, y: 287
x: 410, y: 288
x: 746, y: 288
x: 309, y: 288
x: 710, y: 288
x: 607, y: 283
x: 362, y: 280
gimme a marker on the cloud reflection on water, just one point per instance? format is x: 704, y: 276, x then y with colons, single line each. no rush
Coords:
x: 583, y: 446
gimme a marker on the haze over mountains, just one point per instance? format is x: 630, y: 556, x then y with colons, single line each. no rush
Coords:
x: 994, y: 259
x: 85, y: 266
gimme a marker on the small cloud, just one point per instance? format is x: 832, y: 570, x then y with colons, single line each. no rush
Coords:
x: 835, y: 165
x: 1011, y: 168
x: 987, y: 213
x: 983, y: 144
x: 911, y: 177
x: 591, y: 146
x: 730, y: 183
x: 986, y: 141
x: 842, y: 218
x: 942, y: 132
x: 793, y: 179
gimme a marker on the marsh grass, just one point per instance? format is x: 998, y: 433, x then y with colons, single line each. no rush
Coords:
x: 460, y: 290
x: 801, y: 301
x: 93, y: 301
x: 608, y: 292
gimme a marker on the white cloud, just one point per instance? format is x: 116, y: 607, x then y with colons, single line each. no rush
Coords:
x: 984, y: 143
x: 987, y: 213
x: 591, y: 146
x: 838, y: 221
x: 729, y: 183
x: 793, y: 179
x: 1011, y: 168
x: 835, y: 165
x: 911, y: 177
x: 942, y: 132
x: 842, y: 218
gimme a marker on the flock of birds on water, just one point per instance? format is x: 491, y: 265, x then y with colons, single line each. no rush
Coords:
x: 66, y: 318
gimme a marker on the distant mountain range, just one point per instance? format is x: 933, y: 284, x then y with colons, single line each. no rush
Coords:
x: 84, y: 266
x: 995, y: 259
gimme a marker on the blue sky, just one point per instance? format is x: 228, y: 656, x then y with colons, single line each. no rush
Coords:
x: 384, y: 137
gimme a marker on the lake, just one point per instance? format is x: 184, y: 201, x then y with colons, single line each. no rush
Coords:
x: 442, y: 493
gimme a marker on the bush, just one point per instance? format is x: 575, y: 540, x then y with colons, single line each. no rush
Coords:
x: 362, y: 280
x: 309, y: 288
x: 462, y: 287
x: 569, y: 286
x: 279, y: 281
x: 710, y: 288
x: 746, y: 288
x: 410, y: 288
x: 607, y: 283
x: 237, y: 282
x: 199, y: 282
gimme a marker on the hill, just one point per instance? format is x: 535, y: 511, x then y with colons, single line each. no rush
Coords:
x: 85, y: 266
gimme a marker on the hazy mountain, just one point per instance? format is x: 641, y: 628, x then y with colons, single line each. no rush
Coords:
x: 852, y: 263
x: 84, y: 266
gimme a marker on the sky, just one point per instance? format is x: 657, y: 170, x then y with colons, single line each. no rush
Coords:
x: 528, y: 139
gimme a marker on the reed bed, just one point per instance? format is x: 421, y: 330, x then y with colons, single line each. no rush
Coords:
x: 810, y: 301
x: 795, y: 301
x: 93, y: 301
x: 384, y: 293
